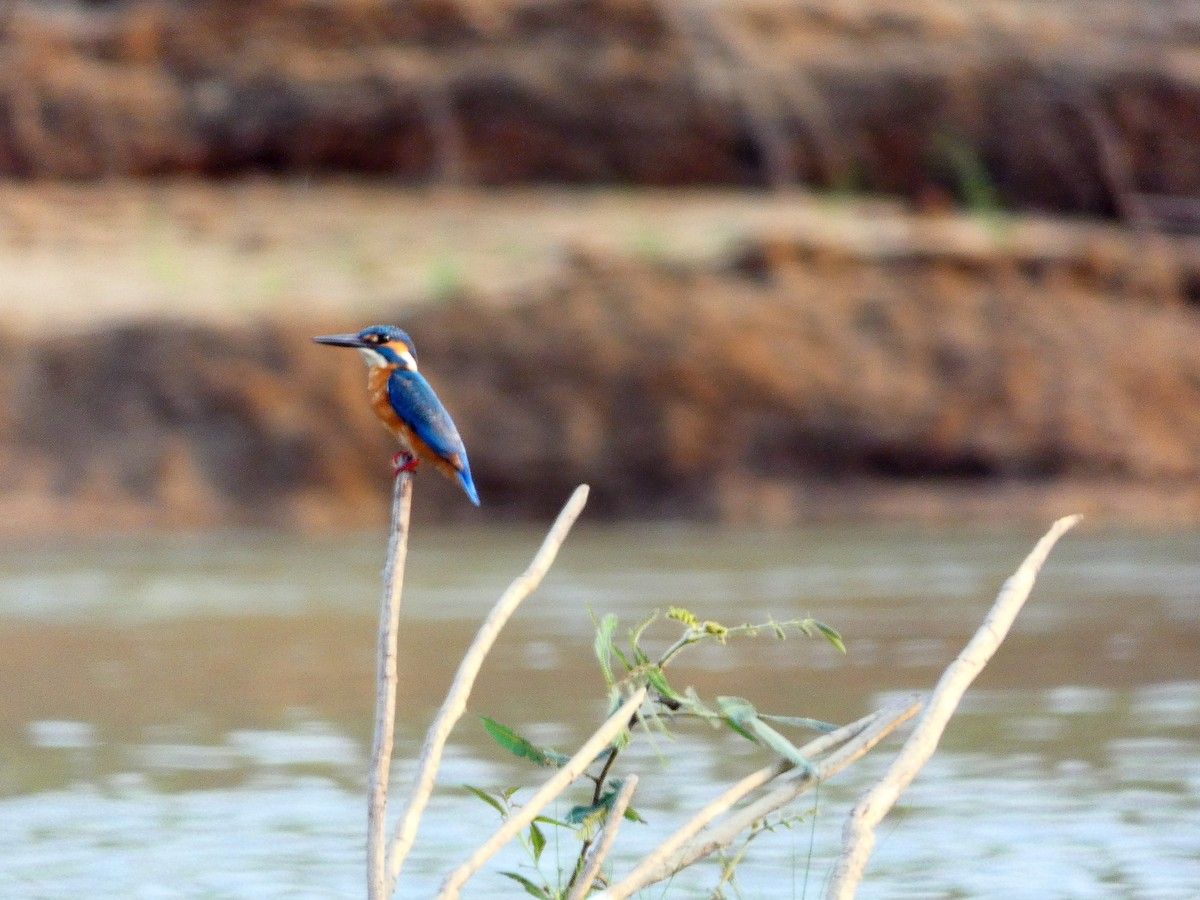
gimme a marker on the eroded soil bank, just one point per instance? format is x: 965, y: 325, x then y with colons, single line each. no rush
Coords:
x: 1085, y: 106
x: 792, y: 382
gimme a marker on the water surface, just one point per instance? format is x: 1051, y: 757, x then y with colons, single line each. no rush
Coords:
x: 189, y: 716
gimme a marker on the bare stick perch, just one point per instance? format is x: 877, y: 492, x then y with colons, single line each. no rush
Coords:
x: 601, y: 739
x: 456, y: 700
x: 385, y: 688
x: 859, y: 835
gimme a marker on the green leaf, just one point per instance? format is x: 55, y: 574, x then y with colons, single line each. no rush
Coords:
x: 604, y: 646
x: 506, y: 737
x: 488, y: 799
x: 621, y: 741
x: 635, y: 637
x: 735, y: 712
x: 577, y: 815
x: 800, y: 722
x: 633, y: 815
x: 830, y: 635
x: 777, y: 742
x: 740, y: 730
x: 736, y: 709
x: 531, y: 888
x: 522, y: 747
x: 743, y: 718
x: 658, y: 681
x: 580, y: 814
x: 537, y: 841
x: 621, y: 656
x: 588, y: 819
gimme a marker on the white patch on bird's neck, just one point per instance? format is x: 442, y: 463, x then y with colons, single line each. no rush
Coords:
x: 372, y: 357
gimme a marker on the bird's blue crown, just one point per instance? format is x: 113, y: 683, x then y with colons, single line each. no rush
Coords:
x: 388, y: 341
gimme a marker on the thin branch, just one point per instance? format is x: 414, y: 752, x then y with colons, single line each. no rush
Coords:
x: 456, y: 700
x: 385, y: 689
x: 596, y: 795
x: 692, y: 841
x: 858, y: 838
x: 694, y: 825
x: 615, y: 814
x: 572, y: 769
x: 724, y: 833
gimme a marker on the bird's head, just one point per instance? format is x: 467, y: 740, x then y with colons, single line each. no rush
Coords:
x: 380, y: 345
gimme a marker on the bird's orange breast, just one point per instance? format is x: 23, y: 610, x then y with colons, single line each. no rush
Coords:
x: 377, y: 390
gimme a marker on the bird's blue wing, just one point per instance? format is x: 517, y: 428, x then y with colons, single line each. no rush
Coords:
x: 419, y: 408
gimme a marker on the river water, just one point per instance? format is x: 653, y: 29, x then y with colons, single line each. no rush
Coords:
x: 189, y: 715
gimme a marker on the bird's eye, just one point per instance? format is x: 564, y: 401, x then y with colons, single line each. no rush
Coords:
x: 373, y: 338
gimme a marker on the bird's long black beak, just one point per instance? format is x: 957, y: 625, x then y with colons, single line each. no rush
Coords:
x: 340, y: 340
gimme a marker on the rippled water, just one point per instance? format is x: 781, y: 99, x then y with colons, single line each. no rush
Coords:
x: 189, y: 716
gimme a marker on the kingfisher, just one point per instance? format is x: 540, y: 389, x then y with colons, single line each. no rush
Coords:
x: 407, y: 405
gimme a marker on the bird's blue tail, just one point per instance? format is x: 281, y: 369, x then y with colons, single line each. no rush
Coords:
x: 464, y: 478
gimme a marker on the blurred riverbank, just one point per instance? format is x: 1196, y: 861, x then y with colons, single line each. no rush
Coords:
x: 649, y: 254
x: 1079, y: 107
x: 718, y: 357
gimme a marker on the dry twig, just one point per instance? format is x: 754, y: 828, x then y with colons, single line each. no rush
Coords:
x: 555, y: 785
x: 456, y: 700
x: 385, y: 689
x: 698, y: 837
x: 693, y: 841
x: 859, y: 834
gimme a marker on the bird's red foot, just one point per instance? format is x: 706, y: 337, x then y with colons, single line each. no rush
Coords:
x: 403, y: 461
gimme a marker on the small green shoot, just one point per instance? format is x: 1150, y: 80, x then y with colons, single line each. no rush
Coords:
x: 642, y: 667
x: 533, y: 840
